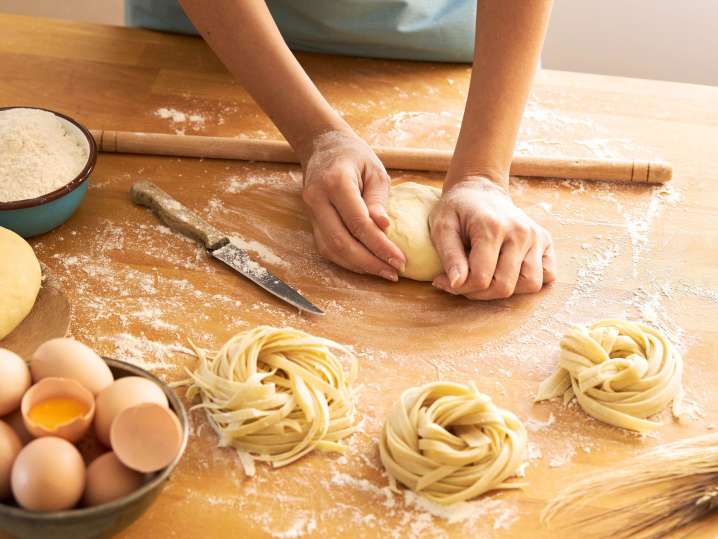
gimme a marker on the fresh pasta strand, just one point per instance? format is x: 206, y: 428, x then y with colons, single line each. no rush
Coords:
x: 450, y: 443
x: 620, y: 373
x: 275, y: 394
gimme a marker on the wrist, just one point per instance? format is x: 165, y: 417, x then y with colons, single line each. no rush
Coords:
x: 460, y: 168
x: 308, y: 140
x: 484, y: 178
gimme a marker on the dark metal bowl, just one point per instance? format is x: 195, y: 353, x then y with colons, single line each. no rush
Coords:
x: 107, y: 519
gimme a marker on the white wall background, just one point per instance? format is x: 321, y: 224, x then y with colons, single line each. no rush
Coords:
x: 655, y: 39
x: 651, y: 39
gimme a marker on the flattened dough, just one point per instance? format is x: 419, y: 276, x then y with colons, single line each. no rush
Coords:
x: 20, y: 279
x: 409, y: 207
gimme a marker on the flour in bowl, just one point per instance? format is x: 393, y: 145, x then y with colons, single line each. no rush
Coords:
x: 39, y: 153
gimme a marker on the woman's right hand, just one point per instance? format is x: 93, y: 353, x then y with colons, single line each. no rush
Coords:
x: 346, y: 189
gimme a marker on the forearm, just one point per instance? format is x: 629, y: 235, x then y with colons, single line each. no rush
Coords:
x: 509, y: 37
x: 256, y: 54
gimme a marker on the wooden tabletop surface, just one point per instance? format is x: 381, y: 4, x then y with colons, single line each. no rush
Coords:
x: 139, y: 291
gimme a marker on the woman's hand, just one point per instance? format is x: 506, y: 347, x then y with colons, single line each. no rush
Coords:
x: 346, y: 189
x: 489, y: 248
x: 345, y: 185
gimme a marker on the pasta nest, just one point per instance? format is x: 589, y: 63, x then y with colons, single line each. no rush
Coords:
x: 450, y: 443
x: 620, y: 373
x: 275, y: 394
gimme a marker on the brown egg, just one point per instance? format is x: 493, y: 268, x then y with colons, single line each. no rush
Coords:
x: 121, y: 394
x: 146, y: 437
x: 15, y: 377
x: 68, y: 358
x: 18, y: 425
x: 48, y: 475
x: 10, y: 446
x: 108, y: 479
x: 58, y: 407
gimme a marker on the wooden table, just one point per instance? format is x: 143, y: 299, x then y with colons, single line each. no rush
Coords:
x: 140, y: 292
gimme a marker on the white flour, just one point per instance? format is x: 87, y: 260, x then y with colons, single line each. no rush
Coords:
x: 179, y: 119
x: 38, y: 154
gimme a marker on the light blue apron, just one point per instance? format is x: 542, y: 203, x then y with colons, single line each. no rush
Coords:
x: 433, y: 30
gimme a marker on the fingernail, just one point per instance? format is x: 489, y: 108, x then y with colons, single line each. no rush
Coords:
x: 396, y: 263
x: 447, y: 290
x: 454, y: 276
x: 389, y: 275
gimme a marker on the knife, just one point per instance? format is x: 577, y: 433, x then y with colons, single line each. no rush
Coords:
x: 179, y: 218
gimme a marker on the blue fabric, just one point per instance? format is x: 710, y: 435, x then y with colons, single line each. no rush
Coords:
x: 433, y: 30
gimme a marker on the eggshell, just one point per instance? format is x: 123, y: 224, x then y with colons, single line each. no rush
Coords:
x: 68, y: 358
x: 146, y: 437
x: 10, y: 446
x: 58, y: 387
x: 15, y: 377
x: 121, y: 394
x: 48, y: 475
x: 17, y: 424
x: 108, y: 479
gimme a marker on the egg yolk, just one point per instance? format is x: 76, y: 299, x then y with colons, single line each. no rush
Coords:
x: 52, y: 413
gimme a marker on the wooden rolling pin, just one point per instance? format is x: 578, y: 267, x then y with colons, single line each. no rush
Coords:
x: 581, y: 168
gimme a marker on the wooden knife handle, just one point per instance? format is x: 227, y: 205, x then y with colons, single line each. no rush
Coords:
x: 176, y: 216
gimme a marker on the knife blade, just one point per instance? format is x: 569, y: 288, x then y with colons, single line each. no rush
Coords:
x: 238, y: 259
x: 220, y: 246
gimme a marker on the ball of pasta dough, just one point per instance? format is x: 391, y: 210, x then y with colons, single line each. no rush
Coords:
x: 20, y: 278
x: 450, y: 443
x: 409, y: 207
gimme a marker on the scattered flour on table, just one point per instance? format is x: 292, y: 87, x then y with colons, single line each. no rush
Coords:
x: 534, y: 451
x: 406, y: 128
x: 602, y: 147
x: 266, y: 179
x: 39, y: 154
x: 142, y: 351
x: 537, y: 134
x: 180, y: 120
x: 171, y: 114
x: 260, y: 252
x: 639, y: 225
x: 701, y: 292
x: 562, y: 457
x: 417, y: 514
x: 146, y: 305
x: 535, y: 425
x: 502, y: 513
x: 302, y: 526
x: 136, y: 297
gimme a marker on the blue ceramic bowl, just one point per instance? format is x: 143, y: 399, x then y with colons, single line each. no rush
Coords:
x: 101, y: 521
x: 35, y: 216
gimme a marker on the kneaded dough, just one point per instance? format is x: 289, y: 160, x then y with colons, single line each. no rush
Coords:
x: 20, y: 279
x: 620, y: 372
x: 450, y: 443
x: 409, y: 207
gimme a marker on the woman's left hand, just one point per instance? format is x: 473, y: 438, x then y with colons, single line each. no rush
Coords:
x: 489, y: 247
